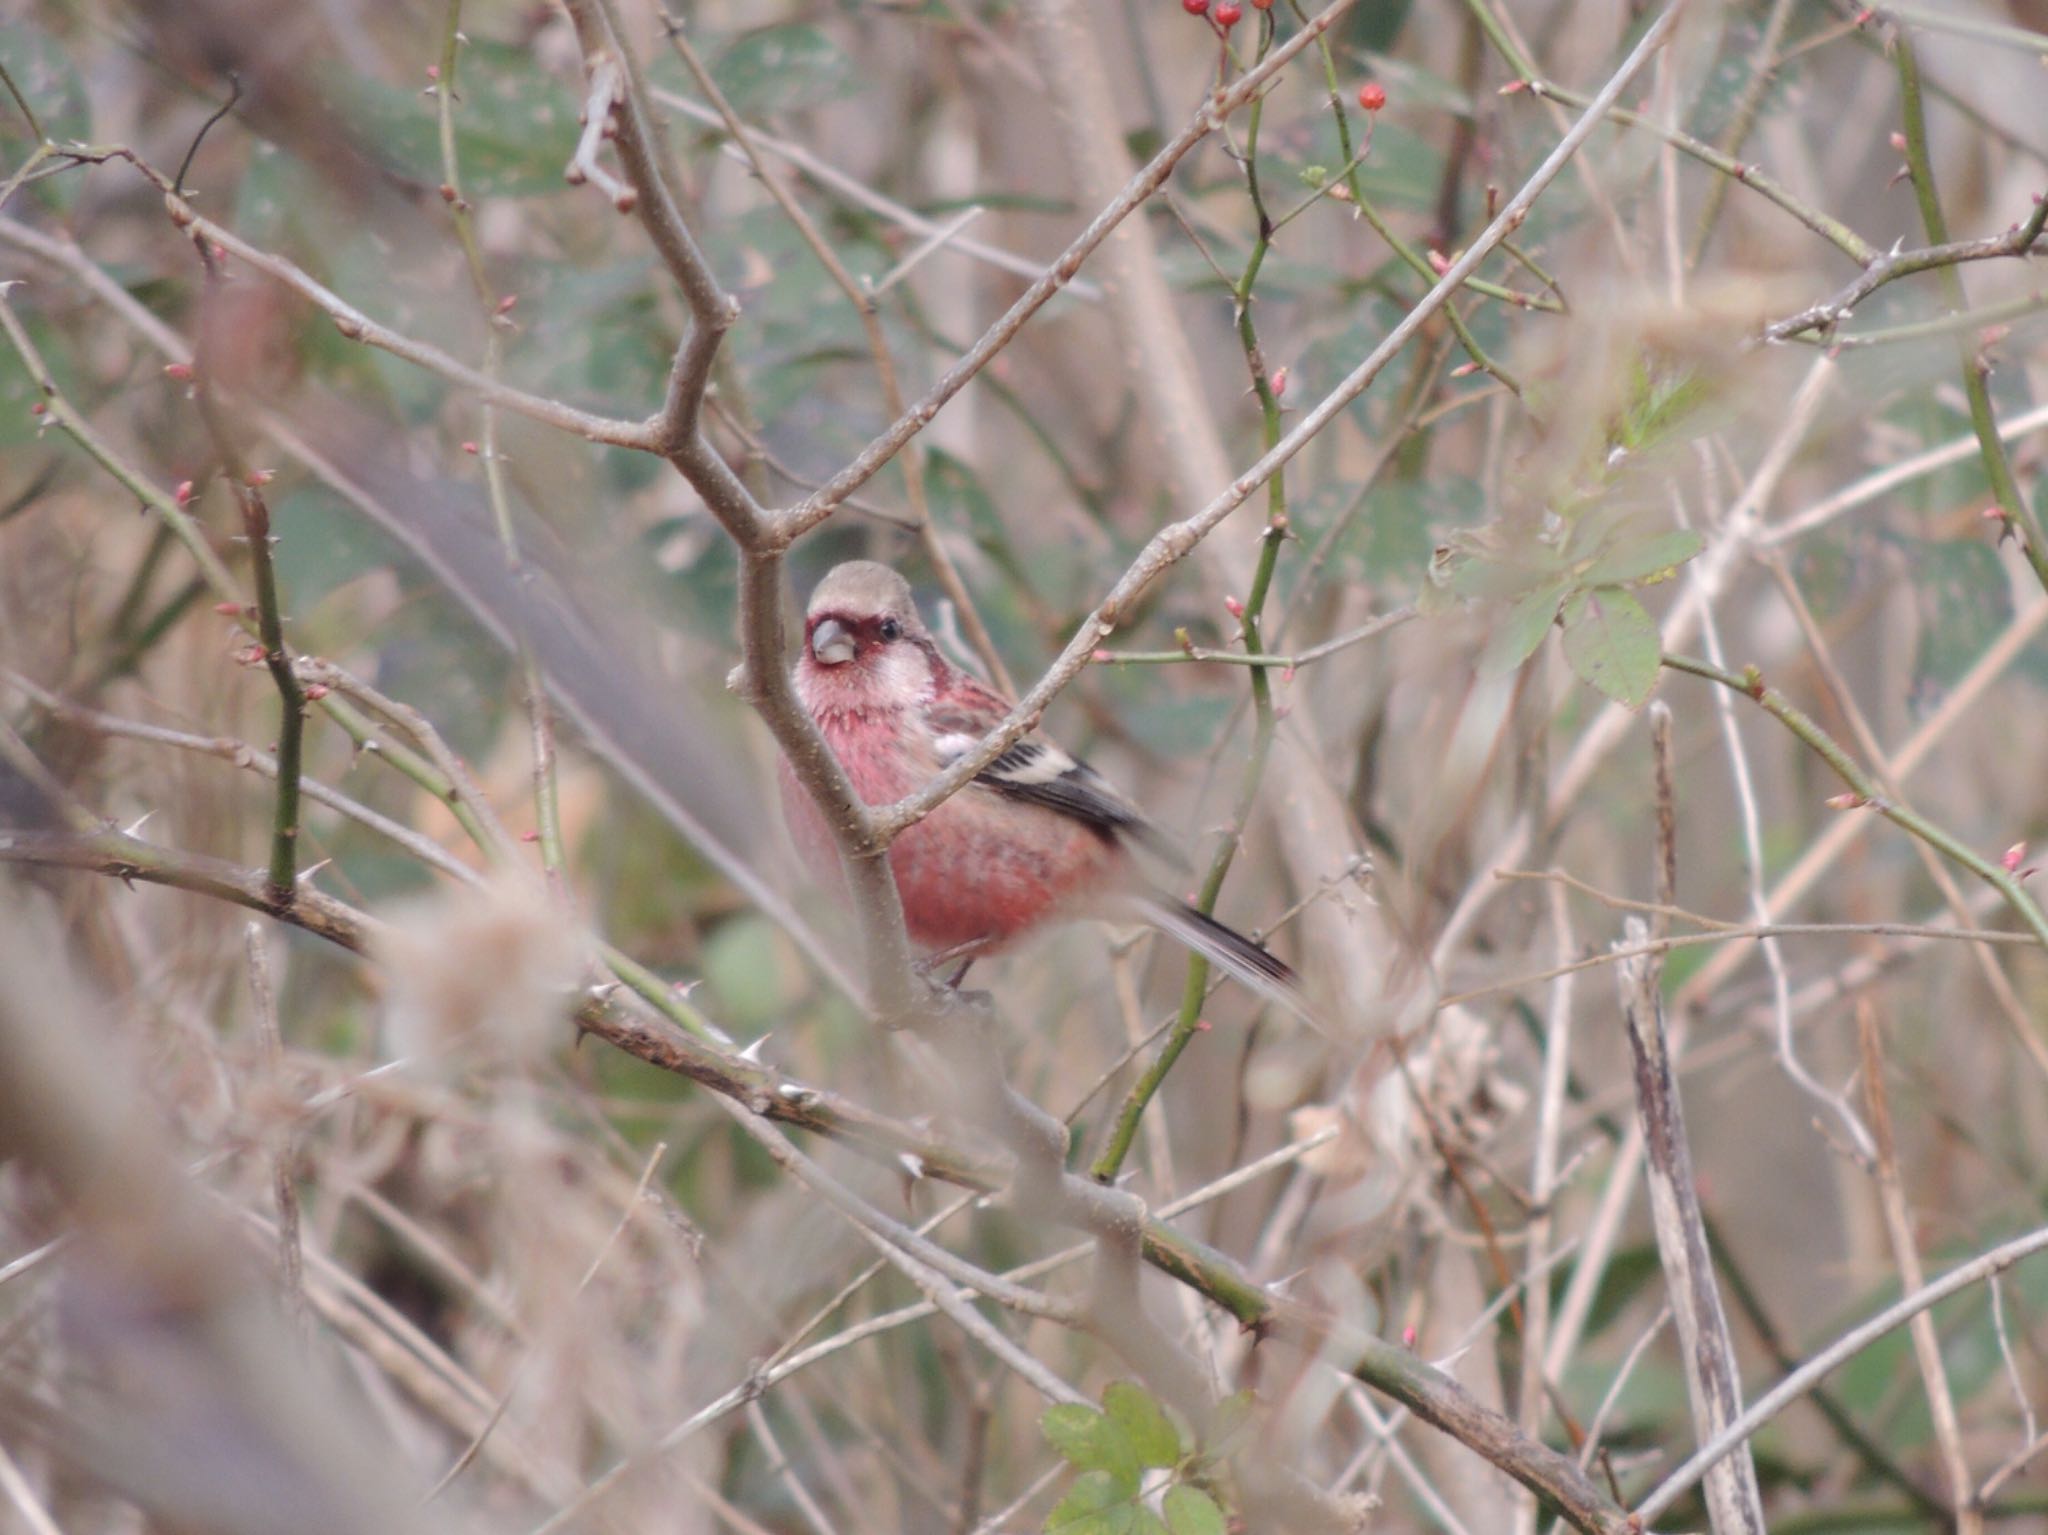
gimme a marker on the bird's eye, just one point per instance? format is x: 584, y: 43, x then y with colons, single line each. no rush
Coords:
x: 889, y: 629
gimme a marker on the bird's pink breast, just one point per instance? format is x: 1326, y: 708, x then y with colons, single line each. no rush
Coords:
x: 978, y: 868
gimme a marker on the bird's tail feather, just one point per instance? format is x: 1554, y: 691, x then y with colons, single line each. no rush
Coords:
x: 1244, y: 961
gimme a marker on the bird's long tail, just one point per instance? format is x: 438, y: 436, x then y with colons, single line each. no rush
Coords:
x: 1244, y: 961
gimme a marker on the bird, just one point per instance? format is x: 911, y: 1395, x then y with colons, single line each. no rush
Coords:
x: 1037, y: 837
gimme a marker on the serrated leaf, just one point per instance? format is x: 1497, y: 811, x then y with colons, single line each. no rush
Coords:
x: 1523, y: 629
x: 1146, y: 1428
x: 1661, y: 406
x: 1088, y: 1441
x: 1495, y: 578
x: 1612, y: 644
x: 1645, y: 560
x: 1094, y: 1505
x: 1191, y: 1511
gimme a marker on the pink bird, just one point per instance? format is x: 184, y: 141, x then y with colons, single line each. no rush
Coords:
x: 1036, y: 837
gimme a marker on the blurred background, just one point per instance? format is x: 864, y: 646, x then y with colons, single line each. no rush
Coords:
x: 247, y: 1265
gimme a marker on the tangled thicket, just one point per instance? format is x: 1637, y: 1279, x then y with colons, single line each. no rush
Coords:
x: 1537, y: 494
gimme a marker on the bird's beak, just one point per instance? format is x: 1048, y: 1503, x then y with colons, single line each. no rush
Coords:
x: 831, y: 643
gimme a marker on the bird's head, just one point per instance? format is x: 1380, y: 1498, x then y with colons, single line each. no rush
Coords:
x: 862, y: 627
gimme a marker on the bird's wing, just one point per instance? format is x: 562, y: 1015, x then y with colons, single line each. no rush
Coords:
x: 1034, y: 769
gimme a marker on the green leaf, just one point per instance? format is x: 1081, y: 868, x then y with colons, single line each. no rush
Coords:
x: 515, y: 124
x: 1522, y: 631
x: 43, y: 71
x: 1095, y: 1505
x: 1191, y: 1511
x: 750, y: 965
x: 1612, y: 644
x: 1964, y: 601
x: 1661, y: 407
x: 1645, y: 560
x: 1088, y: 1441
x: 1146, y: 1428
x: 781, y: 69
x: 1232, y: 1417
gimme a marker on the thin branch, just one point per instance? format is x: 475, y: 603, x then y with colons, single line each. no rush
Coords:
x: 860, y: 195
x: 246, y: 485
x: 1388, y: 1368
x: 1843, y: 1349
x: 814, y: 509
x: 1173, y: 542
x: 290, y: 1244
x: 864, y: 306
x: 357, y: 326
x: 1865, y: 791
x: 1707, y: 1352
x: 2017, y: 509
x: 1829, y: 228
x: 1886, y: 267
x: 1898, y: 1225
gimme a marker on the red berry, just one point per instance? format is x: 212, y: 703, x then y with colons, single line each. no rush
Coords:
x: 1262, y: 5
x: 1372, y: 95
x: 1195, y: 7
x: 1229, y: 14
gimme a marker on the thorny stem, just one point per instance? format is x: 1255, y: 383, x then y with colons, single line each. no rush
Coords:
x: 808, y: 513
x: 246, y: 487
x: 1976, y: 367
x: 59, y: 411
x: 1174, y: 541
x: 1434, y: 1397
x: 540, y: 718
x: 1867, y: 790
x: 1763, y: 69
x: 1414, y: 259
x: 643, y: 153
x: 1195, y: 987
x: 1833, y: 230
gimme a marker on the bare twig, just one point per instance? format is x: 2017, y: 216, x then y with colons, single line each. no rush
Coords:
x: 1712, y: 1377
x: 1898, y: 1225
x: 1843, y: 1349
x: 291, y: 1251
x: 1173, y: 542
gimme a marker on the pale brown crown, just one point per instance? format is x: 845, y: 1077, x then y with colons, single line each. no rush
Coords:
x: 865, y: 589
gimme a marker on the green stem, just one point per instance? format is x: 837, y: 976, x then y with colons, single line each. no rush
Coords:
x: 36, y: 157
x: 35, y: 128
x: 1976, y: 382
x: 245, y: 485
x: 1196, y: 987
x: 1867, y: 789
x: 62, y: 414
